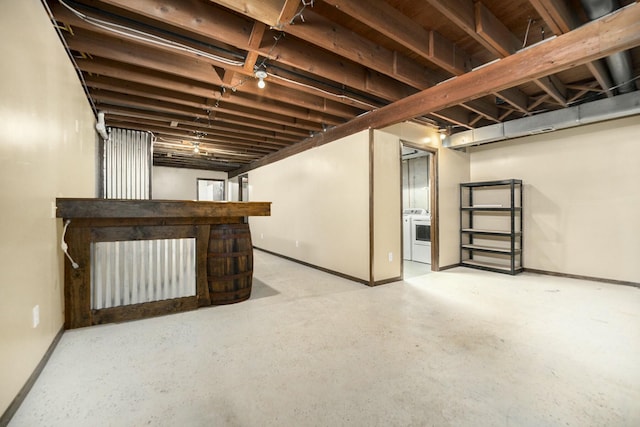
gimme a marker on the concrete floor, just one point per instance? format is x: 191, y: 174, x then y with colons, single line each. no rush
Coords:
x: 455, y: 348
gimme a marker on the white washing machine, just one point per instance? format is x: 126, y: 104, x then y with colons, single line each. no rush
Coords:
x: 407, y: 239
x: 421, y: 238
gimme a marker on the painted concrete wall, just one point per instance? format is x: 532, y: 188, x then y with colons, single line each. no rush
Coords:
x: 581, y: 196
x: 387, y: 257
x: 320, y: 206
x: 180, y: 183
x: 47, y: 150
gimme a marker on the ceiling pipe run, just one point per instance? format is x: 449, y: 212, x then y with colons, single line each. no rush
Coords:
x: 619, y: 63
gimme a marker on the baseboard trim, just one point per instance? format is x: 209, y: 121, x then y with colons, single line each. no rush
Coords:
x: 577, y: 276
x: 386, y: 281
x: 448, y: 267
x: 22, y: 394
x: 306, y: 264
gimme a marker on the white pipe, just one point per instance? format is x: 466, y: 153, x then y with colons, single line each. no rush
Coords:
x: 100, y: 126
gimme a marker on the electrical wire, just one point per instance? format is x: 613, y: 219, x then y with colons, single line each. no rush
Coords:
x: 65, y: 247
x: 85, y: 87
x: 326, y: 92
x: 149, y: 38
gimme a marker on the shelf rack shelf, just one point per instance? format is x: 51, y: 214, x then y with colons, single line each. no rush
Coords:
x: 491, y: 225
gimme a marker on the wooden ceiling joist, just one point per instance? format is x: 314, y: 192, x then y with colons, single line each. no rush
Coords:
x: 592, y: 41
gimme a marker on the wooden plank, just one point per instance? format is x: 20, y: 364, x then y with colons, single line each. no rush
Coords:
x: 142, y: 232
x: 595, y: 40
x: 343, y: 41
x: 131, y: 53
x: 211, y: 22
x: 77, y: 287
x: 444, y: 54
x: 485, y: 109
x: 400, y: 28
x: 274, y: 92
x: 202, y: 250
x: 333, y: 67
x: 267, y: 11
x: 288, y: 12
x: 601, y: 74
x: 492, y: 30
x: 145, y: 98
x: 516, y: 98
x: 112, y: 208
x: 556, y: 14
x: 143, y: 310
x: 255, y: 39
x: 554, y: 88
x: 237, y: 130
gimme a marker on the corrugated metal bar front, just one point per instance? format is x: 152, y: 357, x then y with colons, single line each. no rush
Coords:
x: 137, y: 271
x: 127, y: 164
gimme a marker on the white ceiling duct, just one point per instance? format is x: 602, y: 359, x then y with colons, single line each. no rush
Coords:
x: 598, y: 111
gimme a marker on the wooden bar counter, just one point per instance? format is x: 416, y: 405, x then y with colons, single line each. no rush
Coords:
x: 223, y: 252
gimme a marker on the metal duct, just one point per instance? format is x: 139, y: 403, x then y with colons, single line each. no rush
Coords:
x: 598, y: 111
x: 619, y: 63
x: 127, y: 162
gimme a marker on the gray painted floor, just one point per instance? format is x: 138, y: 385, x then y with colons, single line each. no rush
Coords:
x: 455, y: 348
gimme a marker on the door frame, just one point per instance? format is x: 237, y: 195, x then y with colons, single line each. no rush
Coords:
x: 433, y: 201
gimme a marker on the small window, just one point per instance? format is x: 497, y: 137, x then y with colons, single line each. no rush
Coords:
x: 210, y: 190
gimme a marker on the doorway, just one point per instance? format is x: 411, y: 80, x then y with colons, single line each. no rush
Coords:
x: 419, y: 213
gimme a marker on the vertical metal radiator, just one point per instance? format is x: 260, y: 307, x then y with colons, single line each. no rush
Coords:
x: 126, y: 164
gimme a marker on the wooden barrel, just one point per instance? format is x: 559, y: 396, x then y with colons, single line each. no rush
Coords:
x: 229, y: 263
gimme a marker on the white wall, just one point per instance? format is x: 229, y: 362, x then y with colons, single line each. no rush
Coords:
x: 581, y: 197
x: 47, y: 150
x: 320, y: 206
x: 453, y: 168
x: 179, y: 183
x: 387, y: 209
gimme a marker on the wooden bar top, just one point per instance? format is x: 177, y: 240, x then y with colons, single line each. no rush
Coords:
x: 116, y: 208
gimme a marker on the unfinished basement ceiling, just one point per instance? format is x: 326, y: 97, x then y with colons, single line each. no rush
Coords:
x: 186, y: 70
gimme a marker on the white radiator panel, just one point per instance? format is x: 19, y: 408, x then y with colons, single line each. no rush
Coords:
x: 132, y: 272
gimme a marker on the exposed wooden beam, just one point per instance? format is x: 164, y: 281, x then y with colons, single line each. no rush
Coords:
x: 277, y: 98
x: 215, y: 106
x: 267, y: 11
x: 147, y: 57
x: 484, y: 109
x: 456, y: 115
x: 554, y: 87
x: 556, y: 14
x: 113, y: 98
x: 495, y: 32
x: 601, y: 74
x: 478, y: 21
x: 516, y: 98
x: 238, y: 130
x: 612, y: 33
x: 335, y: 38
x: 207, y: 20
x: 288, y: 12
x: 255, y: 39
x: 561, y: 19
x: 400, y: 28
